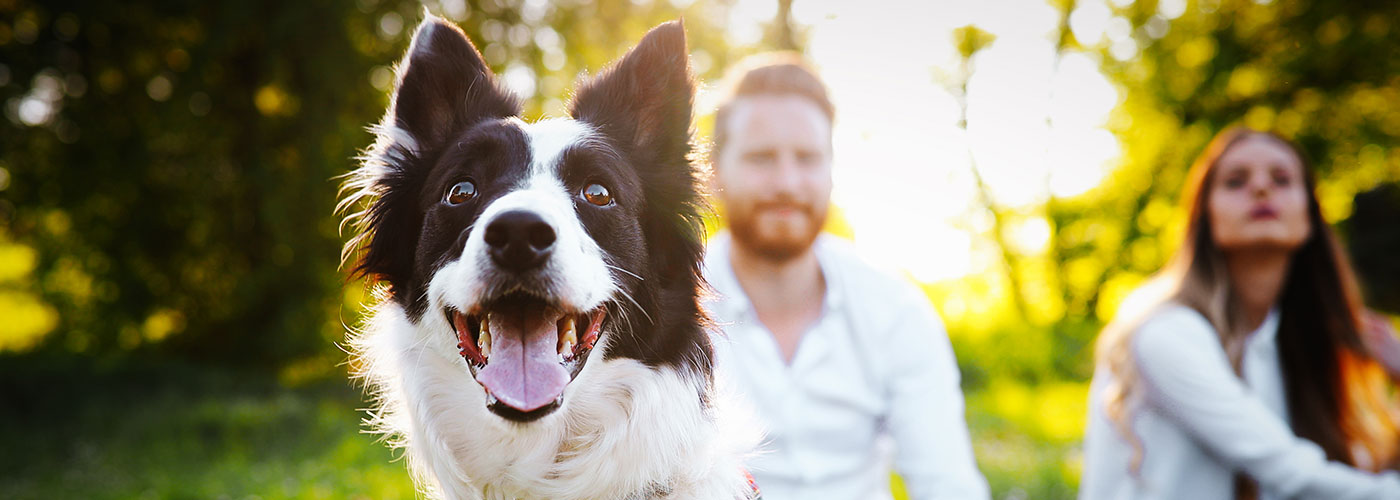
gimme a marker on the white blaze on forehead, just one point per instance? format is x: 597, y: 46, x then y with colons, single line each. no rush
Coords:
x: 576, y: 271
x: 548, y: 140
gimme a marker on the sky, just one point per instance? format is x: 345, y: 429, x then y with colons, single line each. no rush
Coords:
x: 903, y: 166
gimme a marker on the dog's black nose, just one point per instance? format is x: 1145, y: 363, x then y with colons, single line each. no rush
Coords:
x: 519, y: 240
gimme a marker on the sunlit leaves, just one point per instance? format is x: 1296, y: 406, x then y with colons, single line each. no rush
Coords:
x: 971, y: 39
x: 27, y: 318
x: 172, y: 167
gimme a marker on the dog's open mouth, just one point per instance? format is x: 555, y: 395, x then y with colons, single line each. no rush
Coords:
x: 525, y: 351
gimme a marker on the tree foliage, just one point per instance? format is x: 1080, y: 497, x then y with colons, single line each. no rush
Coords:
x: 1315, y: 72
x: 168, y: 169
x: 1309, y: 71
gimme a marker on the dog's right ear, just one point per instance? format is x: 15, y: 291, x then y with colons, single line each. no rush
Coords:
x: 444, y: 86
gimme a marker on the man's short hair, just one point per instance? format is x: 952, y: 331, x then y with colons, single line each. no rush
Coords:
x: 773, y: 73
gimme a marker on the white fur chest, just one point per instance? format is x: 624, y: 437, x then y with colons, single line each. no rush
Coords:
x: 626, y: 431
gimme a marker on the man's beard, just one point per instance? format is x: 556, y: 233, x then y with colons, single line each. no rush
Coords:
x: 776, y: 244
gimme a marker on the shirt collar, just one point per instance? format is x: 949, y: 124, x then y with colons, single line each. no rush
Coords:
x: 1269, y: 328
x: 731, y: 301
x: 831, y: 270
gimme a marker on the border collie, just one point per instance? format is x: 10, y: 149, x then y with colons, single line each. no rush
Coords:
x: 537, y: 333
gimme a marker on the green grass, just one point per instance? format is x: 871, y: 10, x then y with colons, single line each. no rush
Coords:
x: 177, y: 432
x: 189, y: 434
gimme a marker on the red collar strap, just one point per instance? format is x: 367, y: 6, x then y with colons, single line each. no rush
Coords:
x: 754, y: 494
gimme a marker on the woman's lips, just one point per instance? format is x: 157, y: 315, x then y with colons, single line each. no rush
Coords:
x: 1263, y: 212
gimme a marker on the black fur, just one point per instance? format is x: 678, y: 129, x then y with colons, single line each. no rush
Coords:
x: 642, y: 104
x: 444, y: 88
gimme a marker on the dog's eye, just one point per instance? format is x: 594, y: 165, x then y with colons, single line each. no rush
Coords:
x: 460, y: 193
x: 597, y: 195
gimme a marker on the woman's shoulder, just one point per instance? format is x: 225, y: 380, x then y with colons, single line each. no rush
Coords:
x: 1176, y: 315
x: 1173, y: 327
x: 1178, y: 354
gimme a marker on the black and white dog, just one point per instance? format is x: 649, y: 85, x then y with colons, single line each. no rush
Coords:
x: 538, y: 333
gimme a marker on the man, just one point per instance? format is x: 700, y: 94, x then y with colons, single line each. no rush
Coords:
x: 831, y: 354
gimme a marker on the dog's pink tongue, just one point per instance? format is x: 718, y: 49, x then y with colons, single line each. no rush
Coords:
x: 524, y: 371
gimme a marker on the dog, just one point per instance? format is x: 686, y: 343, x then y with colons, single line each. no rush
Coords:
x: 537, y: 332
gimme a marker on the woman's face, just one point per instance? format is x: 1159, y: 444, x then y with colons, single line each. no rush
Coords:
x: 1258, y: 197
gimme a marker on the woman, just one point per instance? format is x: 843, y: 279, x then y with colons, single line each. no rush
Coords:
x: 1240, y: 370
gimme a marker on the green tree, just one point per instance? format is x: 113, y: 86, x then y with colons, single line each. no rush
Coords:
x: 1307, y: 70
x: 168, y: 169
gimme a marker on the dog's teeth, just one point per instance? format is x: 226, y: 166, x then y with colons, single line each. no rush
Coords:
x: 483, y: 342
x: 569, y: 338
x: 491, y: 399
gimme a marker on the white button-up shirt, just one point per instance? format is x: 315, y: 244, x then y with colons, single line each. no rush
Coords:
x: 1199, y: 423
x: 876, y: 363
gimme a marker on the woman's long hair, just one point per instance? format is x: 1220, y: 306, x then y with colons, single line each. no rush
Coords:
x: 1337, y: 393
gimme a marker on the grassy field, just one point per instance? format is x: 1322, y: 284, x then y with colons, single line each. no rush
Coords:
x: 182, y: 433
x: 179, y: 432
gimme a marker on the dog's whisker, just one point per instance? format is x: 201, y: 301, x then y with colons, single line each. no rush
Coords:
x: 629, y: 298
x: 624, y: 318
x: 418, y: 346
x: 629, y: 273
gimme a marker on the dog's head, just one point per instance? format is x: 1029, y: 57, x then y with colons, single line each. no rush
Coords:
x: 528, y: 244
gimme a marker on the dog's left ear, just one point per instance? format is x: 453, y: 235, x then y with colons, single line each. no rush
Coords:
x: 642, y: 105
x: 643, y: 102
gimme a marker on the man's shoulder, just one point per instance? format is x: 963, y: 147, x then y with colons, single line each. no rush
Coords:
x: 715, y: 265
x: 716, y: 258
x: 896, y: 320
x: 859, y: 276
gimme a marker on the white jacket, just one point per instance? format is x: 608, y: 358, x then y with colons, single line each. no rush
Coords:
x: 1199, y: 423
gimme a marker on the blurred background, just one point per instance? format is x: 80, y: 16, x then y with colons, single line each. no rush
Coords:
x: 171, y: 306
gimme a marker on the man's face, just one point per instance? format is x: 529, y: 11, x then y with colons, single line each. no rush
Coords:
x: 774, y: 174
